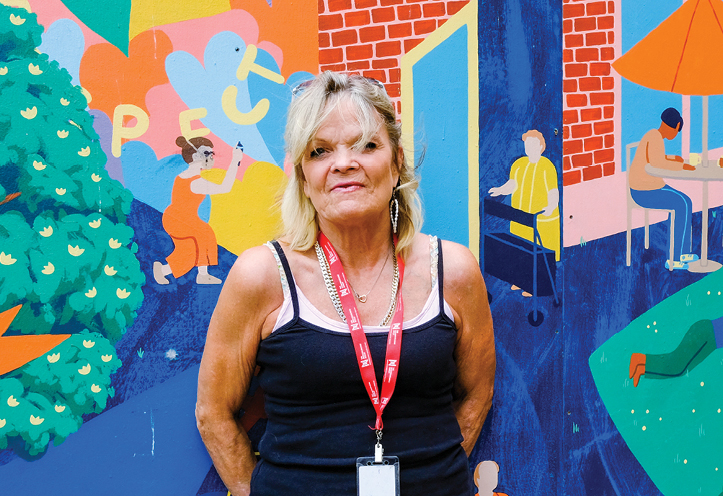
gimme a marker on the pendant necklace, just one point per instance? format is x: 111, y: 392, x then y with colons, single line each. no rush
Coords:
x: 363, y: 298
x: 334, y: 295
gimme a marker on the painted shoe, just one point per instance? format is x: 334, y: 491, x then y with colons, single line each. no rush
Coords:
x: 158, y: 273
x: 676, y: 265
x: 207, y: 279
x: 637, y: 367
x: 689, y: 257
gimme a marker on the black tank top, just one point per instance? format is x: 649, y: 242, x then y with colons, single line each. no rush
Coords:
x: 319, y: 414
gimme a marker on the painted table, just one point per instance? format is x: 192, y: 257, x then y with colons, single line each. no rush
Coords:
x: 703, y: 174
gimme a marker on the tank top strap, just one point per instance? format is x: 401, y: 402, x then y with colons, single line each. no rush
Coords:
x: 287, y: 278
x: 437, y: 268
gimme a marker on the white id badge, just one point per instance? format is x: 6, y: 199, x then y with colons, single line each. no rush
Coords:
x: 377, y: 479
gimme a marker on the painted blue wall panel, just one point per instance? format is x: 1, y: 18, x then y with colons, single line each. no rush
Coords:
x: 441, y: 106
x: 520, y: 88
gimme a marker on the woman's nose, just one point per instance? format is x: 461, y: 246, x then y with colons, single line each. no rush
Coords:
x: 345, y: 159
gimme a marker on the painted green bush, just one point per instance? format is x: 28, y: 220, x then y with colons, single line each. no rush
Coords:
x: 66, y: 254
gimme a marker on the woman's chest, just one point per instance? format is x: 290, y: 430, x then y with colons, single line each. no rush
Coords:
x: 312, y: 365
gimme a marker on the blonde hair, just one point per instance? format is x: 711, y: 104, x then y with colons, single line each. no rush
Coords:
x: 307, y: 112
x: 534, y: 133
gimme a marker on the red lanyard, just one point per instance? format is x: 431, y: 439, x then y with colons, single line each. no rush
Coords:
x: 361, y: 345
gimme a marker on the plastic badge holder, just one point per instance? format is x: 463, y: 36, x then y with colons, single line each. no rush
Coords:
x: 377, y: 479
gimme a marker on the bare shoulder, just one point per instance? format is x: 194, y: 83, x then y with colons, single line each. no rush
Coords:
x: 460, y: 266
x: 651, y: 137
x: 418, y: 251
x: 256, y: 271
x: 252, y: 288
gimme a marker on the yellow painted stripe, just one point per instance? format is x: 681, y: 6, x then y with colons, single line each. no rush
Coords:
x: 147, y: 14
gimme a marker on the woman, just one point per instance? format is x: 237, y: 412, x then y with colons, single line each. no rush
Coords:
x: 193, y: 239
x: 533, y: 186
x: 281, y: 309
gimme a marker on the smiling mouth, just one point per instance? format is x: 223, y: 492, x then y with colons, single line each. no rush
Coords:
x: 347, y: 187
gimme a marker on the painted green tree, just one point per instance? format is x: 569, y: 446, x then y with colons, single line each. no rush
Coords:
x: 66, y: 254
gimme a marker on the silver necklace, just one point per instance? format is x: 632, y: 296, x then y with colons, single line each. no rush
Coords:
x: 334, y: 296
x: 363, y: 298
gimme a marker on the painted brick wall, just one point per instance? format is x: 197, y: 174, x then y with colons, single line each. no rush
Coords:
x: 588, y: 90
x: 370, y: 36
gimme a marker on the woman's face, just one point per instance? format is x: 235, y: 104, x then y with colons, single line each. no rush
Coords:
x: 349, y: 186
x: 204, y: 157
x: 533, y: 148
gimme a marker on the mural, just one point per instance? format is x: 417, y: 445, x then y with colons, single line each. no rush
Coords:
x: 141, y: 150
x: 640, y: 382
x: 113, y: 117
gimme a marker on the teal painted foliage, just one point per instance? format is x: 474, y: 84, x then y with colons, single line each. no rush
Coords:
x: 66, y: 254
x: 674, y: 425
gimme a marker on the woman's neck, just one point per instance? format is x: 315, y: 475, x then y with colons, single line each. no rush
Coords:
x: 193, y: 169
x: 360, y: 247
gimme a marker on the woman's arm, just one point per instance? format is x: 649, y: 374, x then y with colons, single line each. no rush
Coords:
x: 245, y: 309
x: 506, y: 189
x: 203, y: 186
x: 466, y: 294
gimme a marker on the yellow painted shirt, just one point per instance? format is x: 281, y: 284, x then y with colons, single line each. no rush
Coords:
x: 534, y: 182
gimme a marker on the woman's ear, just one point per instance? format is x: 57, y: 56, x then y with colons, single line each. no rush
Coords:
x: 399, y: 165
x: 300, y: 177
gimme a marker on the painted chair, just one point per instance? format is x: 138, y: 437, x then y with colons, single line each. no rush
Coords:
x: 631, y: 205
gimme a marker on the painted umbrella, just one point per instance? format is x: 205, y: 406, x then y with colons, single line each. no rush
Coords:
x: 683, y: 55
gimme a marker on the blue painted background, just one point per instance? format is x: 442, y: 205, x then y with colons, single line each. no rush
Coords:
x: 441, y: 110
x: 520, y: 70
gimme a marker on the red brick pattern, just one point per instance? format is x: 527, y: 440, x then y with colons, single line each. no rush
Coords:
x: 587, y: 86
x: 370, y: 36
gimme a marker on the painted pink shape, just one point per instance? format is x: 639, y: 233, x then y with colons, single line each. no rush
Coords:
x: 193, y: 35
x: 288, y: 165
x: 164, y: 106
x: 49, y: 11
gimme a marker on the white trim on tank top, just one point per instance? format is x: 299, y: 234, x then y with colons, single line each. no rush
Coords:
x: 312, y: 315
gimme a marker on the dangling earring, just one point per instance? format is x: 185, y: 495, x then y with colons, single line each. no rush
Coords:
x: 394, y: 210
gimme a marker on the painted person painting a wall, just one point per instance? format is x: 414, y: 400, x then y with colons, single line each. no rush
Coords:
x: 356, y: 320
x: 193, y: 239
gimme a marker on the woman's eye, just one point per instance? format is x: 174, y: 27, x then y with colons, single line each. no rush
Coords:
x: 371, y: 146
x: 316, y: 152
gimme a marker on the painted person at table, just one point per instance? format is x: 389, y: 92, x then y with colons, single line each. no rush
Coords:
x: 652, y: 192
